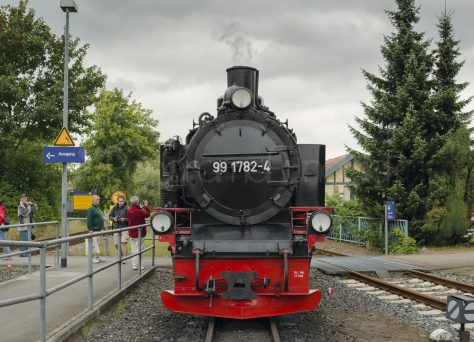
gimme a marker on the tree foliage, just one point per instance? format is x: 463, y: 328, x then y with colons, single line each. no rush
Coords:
x: 31, y: 102
x: 395, y: 130
x: 121, y: 136
x: 31, y: 79
x: 146, y: 181
x: 414, y: 128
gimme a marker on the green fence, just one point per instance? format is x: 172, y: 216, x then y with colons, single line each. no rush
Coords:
x: 354, y: 229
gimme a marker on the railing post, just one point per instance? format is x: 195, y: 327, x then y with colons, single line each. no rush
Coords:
x: 43, y: 293
x: 140, y: 251
x: 340, y: 232
x: 119, y: 279
x: 90, y: 292
x: 153, y: 248
x: 358, y: 230
x: 29, y: 250
x: 56, y: 232
x: 106, y: 237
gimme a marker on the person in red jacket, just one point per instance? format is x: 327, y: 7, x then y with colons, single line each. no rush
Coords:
x: 136, y: 216
x: 3, y: 232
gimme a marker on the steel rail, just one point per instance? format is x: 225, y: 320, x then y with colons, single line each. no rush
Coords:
x: 434, y: 302
x: 443, y: 281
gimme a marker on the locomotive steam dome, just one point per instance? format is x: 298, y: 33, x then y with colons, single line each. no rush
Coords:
x: 243, y: 166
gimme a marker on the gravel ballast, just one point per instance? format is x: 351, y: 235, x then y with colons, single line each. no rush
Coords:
x: 8, y: 272
x: 347, y: 315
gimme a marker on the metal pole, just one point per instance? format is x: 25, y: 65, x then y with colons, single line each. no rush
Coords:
x: 140, y: 249
x: 29, y: 250
x: 358, y: 231
x: 119, y: 248
x: 153, y: 248
x: 106, y: 238
x: 56, y: 232
x: 43, y: 293
x: 90, y: 292
x: 64, y: 225
x: 386, y: 231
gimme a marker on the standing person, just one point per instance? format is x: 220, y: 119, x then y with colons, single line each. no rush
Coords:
x: 3, y: 222
x: 118, y: 215
x: 26, y: 211
x: 95, y: 223
x: 136, y: 216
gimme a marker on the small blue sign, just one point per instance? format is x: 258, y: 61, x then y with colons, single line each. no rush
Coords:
x: 390, y: 205
x: 53, y: 154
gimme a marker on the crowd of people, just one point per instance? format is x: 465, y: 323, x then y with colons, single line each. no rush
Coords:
x: 121, y: 216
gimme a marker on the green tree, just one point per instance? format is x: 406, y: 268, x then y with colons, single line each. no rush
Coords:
x: 31, y: 79
x: 451, y: 166
x: 146, y: 181
x: 122, y: 135
x: 31, y: 101
x: 396, y: 130
x: 447, y: 220
x: 447, y: 92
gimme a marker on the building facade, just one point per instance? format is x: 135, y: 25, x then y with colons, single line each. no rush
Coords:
x: 336, y: 179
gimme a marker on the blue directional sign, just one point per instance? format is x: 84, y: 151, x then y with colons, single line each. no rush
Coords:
x: 53, y: 154
x: 390, y: 205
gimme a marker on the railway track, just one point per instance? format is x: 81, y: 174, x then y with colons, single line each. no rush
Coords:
x: 436, y: 287
x: 72, y: 243
x: 233, y: 328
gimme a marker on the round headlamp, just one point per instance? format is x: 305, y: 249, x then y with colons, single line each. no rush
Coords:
x: 161, y: 222
x: 241, y: 98
x: 320, y: 221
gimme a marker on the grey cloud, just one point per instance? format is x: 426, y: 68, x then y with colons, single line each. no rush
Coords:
x: 173, y: 54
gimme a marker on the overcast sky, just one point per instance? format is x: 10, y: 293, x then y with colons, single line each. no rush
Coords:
x: 172, y: 55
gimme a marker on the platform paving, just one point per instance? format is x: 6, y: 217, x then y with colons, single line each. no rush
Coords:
x: 20, y: 322
x: 438, y: 261
x: 339, y: 265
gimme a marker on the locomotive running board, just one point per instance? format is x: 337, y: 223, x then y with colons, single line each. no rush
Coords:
x: 262, y: 306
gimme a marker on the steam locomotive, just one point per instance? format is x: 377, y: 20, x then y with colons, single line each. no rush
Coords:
x: 242, y: 205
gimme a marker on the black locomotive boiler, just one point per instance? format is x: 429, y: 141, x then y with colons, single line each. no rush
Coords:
x: 242, y: 205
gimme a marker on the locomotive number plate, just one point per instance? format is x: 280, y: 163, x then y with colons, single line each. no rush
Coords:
x: 241, y: 166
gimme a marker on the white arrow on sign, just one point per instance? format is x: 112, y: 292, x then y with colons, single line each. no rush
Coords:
x: 50, y: 155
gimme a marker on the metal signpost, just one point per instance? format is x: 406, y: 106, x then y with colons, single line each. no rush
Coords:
x: 67, y: 6
x: 389, y: 216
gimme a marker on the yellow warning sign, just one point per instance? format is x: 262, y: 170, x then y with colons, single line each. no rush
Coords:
x: 116, y: 194
x: 64, y: 138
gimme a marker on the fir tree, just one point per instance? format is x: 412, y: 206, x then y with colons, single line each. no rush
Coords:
x: 395, y: 132
x: 451, y: 167
x: 448, y: 105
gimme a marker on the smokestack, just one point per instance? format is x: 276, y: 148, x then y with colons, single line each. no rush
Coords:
x: 243, y: 76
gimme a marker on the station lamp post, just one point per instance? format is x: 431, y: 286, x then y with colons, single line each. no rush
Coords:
x: 68, y: 6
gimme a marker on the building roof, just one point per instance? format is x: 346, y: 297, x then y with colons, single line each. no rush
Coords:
x: 335, y: 163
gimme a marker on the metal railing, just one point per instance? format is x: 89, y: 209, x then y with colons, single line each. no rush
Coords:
x: 29, y: 227
x: 354, y: 229
x: 44, y: 245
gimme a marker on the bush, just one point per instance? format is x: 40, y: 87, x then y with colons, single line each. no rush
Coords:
x: 401, y: 243
x: 374, y: 241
